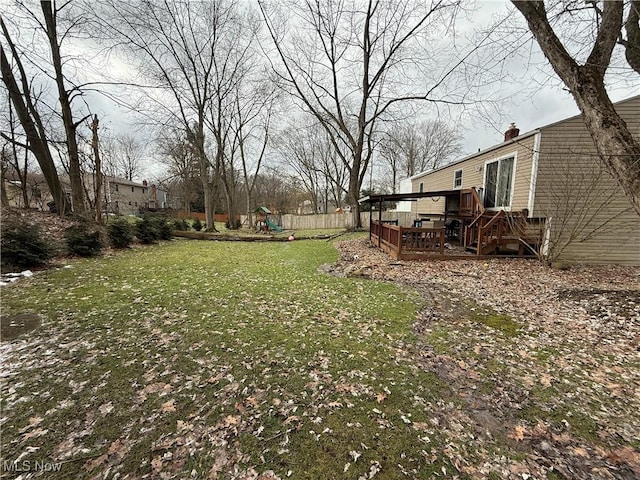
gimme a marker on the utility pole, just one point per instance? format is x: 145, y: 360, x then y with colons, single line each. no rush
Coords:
x: 98, y: 181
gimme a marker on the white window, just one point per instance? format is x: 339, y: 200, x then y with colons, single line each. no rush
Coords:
x: 457, y: 179
x: 498, y: 182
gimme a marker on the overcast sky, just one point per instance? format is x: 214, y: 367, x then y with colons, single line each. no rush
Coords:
x: 539, y: 100
x: 535, y: 100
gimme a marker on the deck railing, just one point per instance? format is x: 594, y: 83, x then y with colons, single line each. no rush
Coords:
x: 407, y: 241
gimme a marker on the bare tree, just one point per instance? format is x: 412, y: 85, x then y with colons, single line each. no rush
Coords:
x: 12, y: 150
x: 308, y: 151
x: 252, y: 123
x: 50, y: 12
x: 52, y: 25
x: 583, y: 73
x: 98, y: 182
x: 631, y: 43
x: 182, y: 165
x: 347, y: 62
x: 25, y: 102
x: 410, y: 147
x: 193, y: 52
x: 128, y: 157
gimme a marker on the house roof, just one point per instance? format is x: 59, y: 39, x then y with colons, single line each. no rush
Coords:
x: 124, y: 181
x: 517, y: 139
x: 513, y: 140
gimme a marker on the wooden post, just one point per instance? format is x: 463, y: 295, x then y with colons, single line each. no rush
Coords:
x: 380, y: 219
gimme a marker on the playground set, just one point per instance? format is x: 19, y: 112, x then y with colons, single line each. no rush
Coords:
x: 264, y: 223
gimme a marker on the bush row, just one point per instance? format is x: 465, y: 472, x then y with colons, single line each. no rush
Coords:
x: 25, y: 245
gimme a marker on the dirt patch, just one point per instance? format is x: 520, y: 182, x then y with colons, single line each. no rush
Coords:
x: 52, y: 225
x: 12, y: 327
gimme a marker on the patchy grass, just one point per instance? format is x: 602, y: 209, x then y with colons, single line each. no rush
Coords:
x: 501, y: 322
x: 218, y: 358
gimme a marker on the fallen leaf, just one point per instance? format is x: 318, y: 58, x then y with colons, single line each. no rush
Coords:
x: 106, y: 408
x: 169, y: 406
x: 33, y: 421
x: 156, y: 463
x: 581, y: 452
x: 545, y: 380
x: 518, y: 433
x: 96, y: 462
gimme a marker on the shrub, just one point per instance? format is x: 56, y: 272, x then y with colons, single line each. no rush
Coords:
x: 197, y: 225
x: 84, y: 241
x: 233, y: 226
x: 120, y: 233
x: 24, y: 246
x: 164, y: 228
x: 180, y: 224
x: 147, y: 231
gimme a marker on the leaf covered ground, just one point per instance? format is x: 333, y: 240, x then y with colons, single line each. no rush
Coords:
x: 235, y: 360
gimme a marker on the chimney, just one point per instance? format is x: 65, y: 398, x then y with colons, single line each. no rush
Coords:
x: 512, y: 132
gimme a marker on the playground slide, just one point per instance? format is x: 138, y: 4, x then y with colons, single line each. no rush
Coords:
x: 273, y: 226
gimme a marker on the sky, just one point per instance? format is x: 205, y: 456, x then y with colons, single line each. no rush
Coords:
x: 533, y: 100
x: 538, y: 98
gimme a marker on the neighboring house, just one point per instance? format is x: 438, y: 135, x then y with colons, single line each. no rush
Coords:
x: 37, y: 193
x: 125, y: 197
x: 121, y: 196
x: 551, y: 178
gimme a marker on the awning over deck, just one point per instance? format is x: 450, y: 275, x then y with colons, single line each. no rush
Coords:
x: 413, y: 196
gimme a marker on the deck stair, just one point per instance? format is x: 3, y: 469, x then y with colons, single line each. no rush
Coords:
x: 500, y: 232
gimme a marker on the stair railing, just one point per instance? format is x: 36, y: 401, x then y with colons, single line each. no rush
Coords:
x: 490, y: 233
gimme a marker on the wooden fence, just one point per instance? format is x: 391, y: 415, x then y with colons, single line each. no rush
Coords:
x: 218, y: 217
x: 327, y: 221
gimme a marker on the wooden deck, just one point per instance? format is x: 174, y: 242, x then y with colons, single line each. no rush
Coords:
x: 405, y: 243
x: 409, y: 243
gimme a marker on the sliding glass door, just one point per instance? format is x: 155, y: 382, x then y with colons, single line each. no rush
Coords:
x: 498, y: 183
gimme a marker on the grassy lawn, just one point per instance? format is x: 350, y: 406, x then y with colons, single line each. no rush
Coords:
x: 217, y: 360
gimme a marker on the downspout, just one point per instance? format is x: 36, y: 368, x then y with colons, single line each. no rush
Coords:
x: 534, y: 173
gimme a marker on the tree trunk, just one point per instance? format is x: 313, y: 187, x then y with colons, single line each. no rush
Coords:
x: 617, y: 148
x: 75, y: 174
x: 38, y: 144
x: 632, y: 43
x: 354, y: 196
x: 23, y: 173
x: 4, y: 198
x: 209, y: 205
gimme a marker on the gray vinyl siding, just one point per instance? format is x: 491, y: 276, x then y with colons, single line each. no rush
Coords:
x: 592, y: 221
